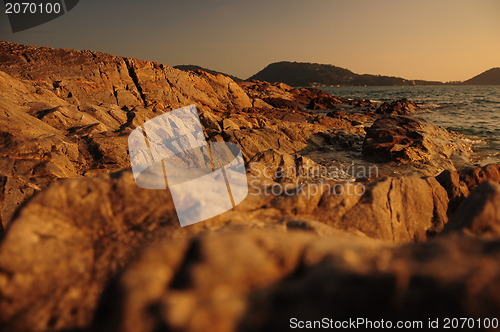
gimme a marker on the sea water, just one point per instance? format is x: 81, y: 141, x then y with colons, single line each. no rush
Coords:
x: 470, y: 110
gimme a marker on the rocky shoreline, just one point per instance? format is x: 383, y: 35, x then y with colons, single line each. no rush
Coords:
x: 84, y: 249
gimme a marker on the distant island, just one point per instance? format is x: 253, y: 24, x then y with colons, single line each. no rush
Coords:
x: 489, y: 77
x: 305, y: 74
x: 315, y: 74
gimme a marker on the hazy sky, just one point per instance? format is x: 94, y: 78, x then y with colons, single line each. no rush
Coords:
x: 425, y: 39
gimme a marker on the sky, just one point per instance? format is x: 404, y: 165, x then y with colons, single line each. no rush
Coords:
x: 444, y: 40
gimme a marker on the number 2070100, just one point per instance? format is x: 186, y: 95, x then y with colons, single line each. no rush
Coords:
x: 32, y: 8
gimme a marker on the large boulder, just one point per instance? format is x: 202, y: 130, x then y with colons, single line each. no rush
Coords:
x: 259, y: 281
x: 480, y: 212
x: 323, y: 102
x: 460, y: 184
x: 404, y: 284
x: 394, y: 209
x: 413, y: 141
x: 67, y: 242
x: 398, y: 107
x: 79, y: 233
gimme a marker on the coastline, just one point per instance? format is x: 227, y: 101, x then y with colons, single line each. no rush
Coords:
x: 83, y: 247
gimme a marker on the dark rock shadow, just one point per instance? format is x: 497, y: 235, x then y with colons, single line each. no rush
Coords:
x: 321, y: 293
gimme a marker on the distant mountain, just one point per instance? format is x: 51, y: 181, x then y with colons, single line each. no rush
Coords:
x: 489, y: 77
x: 195, y: 67
x: 315, y: 74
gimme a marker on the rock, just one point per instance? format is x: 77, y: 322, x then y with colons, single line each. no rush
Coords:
x: 356, y: 118
x: 473, y: 176
x: 14, y: 191
x: 254, y: 141
x: 283, y: 96
x: 480, y: 212
x: 73, y: 219
x: 80, y: 233
x: 323, y: 103
x: 307, y: 95
x: 66, y: 113
x: 67, y: 242
x: 396, y: 289
x: 255, y: 281
x: 288, y: 133
x: 273, y: 165
x: 49, y: 138
x: 398, y: 107
x: 460, y: 184
x: 261, y: 90
x: 86, y: 77
x: 396, y: 210
x: 400, y: 210
x: 32, y: 152
x: 361, y: 103
x: 104, y: 151
x: 186, y: 297
x: 228, y: 124
x: 410, y: 140
x: 281, y: 167
x: 344, y: 141
x: 211, y: 123
x: 456, y: 189
x: 259, y: 103
x: 245, y: 121
x: 284, y: 104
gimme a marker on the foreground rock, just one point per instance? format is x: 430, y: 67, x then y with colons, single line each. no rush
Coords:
x: 410, y: 140
x: 460, y: 184
x: 258, y: 281
x: 386, y: 210
x: 480, y: 212
x: 67, y: 242
x: 79, y: 233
